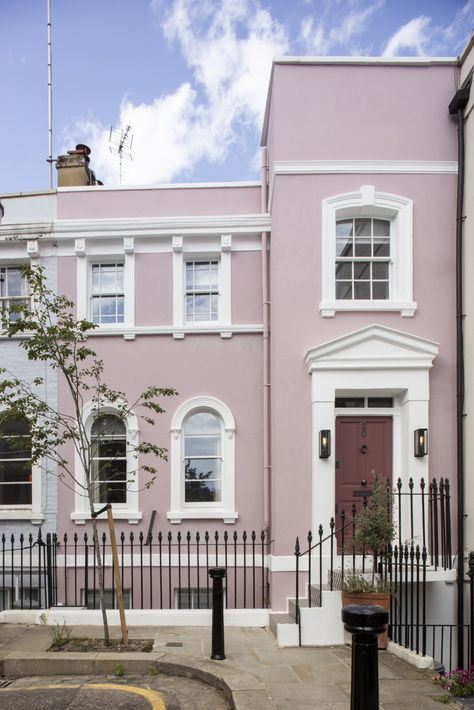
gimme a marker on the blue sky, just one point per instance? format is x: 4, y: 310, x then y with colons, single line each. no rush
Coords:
x: 189, y: 76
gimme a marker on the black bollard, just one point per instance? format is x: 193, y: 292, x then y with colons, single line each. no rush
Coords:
x: 217, y: 575
x: 365, y: 623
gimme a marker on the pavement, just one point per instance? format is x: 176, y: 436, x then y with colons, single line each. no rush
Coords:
x: 256, y: 675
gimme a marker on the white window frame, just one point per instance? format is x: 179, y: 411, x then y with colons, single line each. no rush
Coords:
x: 31, y: 512
x: 97, y: 294
x: 205, y: 249
x: 225, y: 508
x: 15, y: 299
x: 122, y: 511
x: 87, y: 255
x: 367, y: 202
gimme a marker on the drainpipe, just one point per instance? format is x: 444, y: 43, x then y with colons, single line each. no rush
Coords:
x: 267, y: 513
x: 456, y: 107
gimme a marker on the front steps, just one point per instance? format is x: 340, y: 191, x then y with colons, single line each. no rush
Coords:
x: 320, y: 625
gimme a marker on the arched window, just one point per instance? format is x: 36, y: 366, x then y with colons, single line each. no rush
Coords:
x: 202, y: 462
x: 15, y: 462
x: 367, y: 253
x: 114, y: 470
x: 202, y: 455
x: 109, y: 460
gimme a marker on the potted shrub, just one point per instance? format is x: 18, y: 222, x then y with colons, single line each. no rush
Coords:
x: 374, y: 531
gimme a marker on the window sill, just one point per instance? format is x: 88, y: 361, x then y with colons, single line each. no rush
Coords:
x: 18, y: 514
x: 133, y: 516
x: 328, y: 309
x: 176, y: 516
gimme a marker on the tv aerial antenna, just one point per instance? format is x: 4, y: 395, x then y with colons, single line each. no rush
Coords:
x: 120, y: 142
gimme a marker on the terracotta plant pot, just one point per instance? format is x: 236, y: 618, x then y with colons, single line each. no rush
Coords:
x: 381, y: 599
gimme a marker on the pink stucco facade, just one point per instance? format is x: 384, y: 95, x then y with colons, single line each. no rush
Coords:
x: 331, y: 129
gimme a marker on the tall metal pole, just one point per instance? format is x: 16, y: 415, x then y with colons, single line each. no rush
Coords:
x: 50, y: 101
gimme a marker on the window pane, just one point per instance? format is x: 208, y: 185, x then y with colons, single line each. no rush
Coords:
x: 362, y: 247
x: 14, y: 282
x: 380, y: 270
x: 202, y: 304
x: 202, y: 275
x: 344, y: 402
x: 109, y: 425
x: 202, y: 469
x: 344, y: 290
x: 381, y: 247
x: 15, y: 494
x: 362, y: 227
x: 343, y: 270
x: 362, y: 270
x: 214, y: 306
x: 200, y: 492
x: 344, y: 247
x: 111, y: 492
x: 15, y: 447
x: 380, y: 402
x: 189, y: 307
x: 381, y: 228
x: 344, y: 228
x: 202, y: 423
x: 361, y: 290
x: 202, y: 445
x: 214, y: 275
x: 15, y: 472
x: 380, y: 290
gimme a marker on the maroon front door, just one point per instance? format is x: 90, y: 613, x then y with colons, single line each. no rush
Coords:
x: 363, y: 447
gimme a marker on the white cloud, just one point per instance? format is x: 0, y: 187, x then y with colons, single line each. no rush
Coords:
x: 413, y: 37
x: 228, y: 48
x: 328, y: 32
x: 420, y: 37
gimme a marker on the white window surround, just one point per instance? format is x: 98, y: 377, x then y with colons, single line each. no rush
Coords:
x: 185, y: 249
x: 366, y: 202
x: 122, y: 511
x: 225, y: 510
x: 374, y: 360
x: 31, y: 512
x: 86, y: 255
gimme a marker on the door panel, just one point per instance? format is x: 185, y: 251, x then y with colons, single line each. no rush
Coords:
x: 363, y: 447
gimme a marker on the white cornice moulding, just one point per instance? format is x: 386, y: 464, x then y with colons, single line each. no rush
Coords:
x: 37, y: 230
x: 161, y: 226
x: 166, y: 186
x: 225, y: 331
x: 304, y: 167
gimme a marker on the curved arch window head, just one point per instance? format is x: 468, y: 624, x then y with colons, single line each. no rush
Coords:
x: 15, y: 462
x: 202, y: 461
x: 109, y: 459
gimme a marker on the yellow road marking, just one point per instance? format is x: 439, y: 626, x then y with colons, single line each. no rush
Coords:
x: 155, y: 699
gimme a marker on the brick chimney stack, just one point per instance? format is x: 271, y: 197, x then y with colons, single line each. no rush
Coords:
x: 73, y: 168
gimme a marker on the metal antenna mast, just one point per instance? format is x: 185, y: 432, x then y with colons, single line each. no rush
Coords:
x: 50, y: 101
x: 120, y: 142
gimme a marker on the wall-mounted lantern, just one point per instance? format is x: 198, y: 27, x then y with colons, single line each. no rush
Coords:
x: 421, y: 442
x: 324, y: 444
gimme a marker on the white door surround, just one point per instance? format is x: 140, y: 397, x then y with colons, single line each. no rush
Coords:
x: 377, y: 361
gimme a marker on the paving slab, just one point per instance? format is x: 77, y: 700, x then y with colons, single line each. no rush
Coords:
x: 256, y: 675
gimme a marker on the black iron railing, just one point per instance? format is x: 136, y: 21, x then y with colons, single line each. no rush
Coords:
x: 163, y: 572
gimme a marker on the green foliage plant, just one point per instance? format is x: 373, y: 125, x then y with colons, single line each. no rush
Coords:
x: 119, y: 670
x: 459, y: 683
x: 374, y: 525
x: 46, y: 328
x: 61, y: 635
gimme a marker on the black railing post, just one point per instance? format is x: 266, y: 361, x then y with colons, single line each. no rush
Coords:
x: 217, y: 575
x: 365, y: 623
x: 49, y: 571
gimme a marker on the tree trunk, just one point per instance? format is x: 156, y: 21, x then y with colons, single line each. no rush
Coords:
x: 101, y: 582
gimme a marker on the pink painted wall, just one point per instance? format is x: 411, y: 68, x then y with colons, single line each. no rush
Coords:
x: 154, y: 289
x: 349, y: 112
x: 246, y: 287
x: 228, y: 369
x: 104, y: 203
x: 298, y: 326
